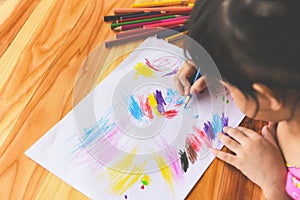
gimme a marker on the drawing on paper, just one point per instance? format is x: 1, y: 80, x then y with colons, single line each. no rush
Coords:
x: 131, y: 137
x: 139, y: 107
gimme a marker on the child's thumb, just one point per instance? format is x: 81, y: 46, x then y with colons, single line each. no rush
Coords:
x: 268, y: 135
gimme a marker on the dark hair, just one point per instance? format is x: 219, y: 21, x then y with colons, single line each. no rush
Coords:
x: 251, y: 41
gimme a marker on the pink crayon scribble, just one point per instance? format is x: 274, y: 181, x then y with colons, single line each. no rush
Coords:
x: 148, y: 63
x: 146, y: 107
x: 165, y: 63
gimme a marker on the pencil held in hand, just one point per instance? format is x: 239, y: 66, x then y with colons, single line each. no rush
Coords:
x: 188, y: 98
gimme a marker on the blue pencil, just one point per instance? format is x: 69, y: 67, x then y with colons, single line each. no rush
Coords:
x: 188, y: 98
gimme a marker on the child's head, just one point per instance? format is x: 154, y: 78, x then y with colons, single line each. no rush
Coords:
x: 256, y: 46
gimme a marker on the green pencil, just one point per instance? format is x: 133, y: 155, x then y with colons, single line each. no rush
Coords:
x: 114, y: 25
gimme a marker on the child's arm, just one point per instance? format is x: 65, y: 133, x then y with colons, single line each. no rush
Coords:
x: 258, y: 157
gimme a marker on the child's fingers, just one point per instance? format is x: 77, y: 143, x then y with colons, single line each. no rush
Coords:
x: 182, y: 79
x: 185, y: 84
x: 236, y: 134
x: 267, y: 133
x: 230, y: 143
x: 272, y: 127
x: 178, y: 85
x: 226, y: 157
x: 198, y: 86
x: 248, y: 132
x: 182, y: 84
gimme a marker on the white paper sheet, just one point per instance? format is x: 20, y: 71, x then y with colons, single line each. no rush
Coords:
x: 118, y: 144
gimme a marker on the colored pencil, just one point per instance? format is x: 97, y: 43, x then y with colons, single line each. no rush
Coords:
x: 139, y: 31
x: 170, y: 32
x: 160, y: 32
x: 114, y: 25
x: 167, y: 23
x: 134, y: 26
x: 181, y: 9
x: 145, y: 17
x: 175, y: 37
x: 188, y: 98
x: 124, y: 40
x: 130, y: 15
x: 161, y: 3
x: 145, y: 24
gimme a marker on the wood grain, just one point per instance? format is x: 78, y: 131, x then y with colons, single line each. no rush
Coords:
x: 38, y: 71
x: 43, y: 44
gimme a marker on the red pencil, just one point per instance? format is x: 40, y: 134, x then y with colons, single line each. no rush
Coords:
x: 167, y: 23
x: 167, y: 9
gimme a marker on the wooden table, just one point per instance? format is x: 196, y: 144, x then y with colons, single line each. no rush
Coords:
x: 42, y: 45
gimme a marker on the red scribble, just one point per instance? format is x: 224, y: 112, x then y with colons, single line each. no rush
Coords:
x: 203, y: 137
x: 194, y: 141
x: 166, y: 61
x: 148, y: 63
x: 145, y: 107
x: 170, y: 114
x: 142, y: 187
x: 149, y: 109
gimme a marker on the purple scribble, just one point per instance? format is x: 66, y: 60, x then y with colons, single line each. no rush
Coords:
x: 160, y: 101
x: 170, y: 73
x: 215, y: 126
x: 225, y: 120
x: 208, y: 129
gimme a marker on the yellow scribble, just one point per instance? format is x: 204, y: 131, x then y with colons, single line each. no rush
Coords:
x: 143, y: 70
x: 153, y: 103
x: 121, y: 181
x: 165, y: 171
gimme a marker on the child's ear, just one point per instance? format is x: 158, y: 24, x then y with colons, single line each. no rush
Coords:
x: 266, y: 92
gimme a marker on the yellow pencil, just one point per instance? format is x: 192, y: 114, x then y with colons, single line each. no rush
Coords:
x: 161, y: 3
x: 175, y: 37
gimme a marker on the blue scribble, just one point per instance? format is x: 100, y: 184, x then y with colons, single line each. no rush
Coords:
x: 174, y: 96
x: 215, y: 126
x: 135, y: 109
x: 96, y: 131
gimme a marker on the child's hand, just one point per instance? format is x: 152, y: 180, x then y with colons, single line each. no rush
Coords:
x: 258, y: 157
x: 183, y: 80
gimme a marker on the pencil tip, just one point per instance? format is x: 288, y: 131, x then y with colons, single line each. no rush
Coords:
x: 187, y: 100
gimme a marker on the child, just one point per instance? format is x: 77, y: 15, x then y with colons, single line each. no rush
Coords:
x: 256, y: 46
